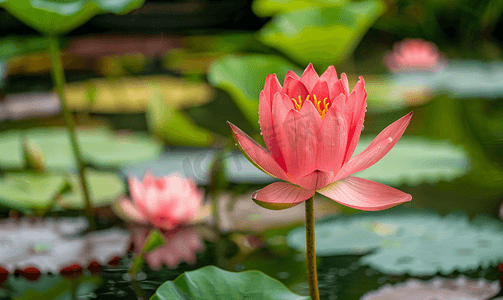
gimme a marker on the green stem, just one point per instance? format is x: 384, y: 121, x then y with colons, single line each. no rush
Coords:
x: 312, y: 276
x: 137, y: 290
x: 58, y: 77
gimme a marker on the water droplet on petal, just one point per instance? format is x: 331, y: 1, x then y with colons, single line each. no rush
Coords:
x: 390, y: 139
x: 363, y: 127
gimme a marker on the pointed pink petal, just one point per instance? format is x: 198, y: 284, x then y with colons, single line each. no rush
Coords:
x: 256, y: 154
x: 377, y: 149
x: 298, y: 90
x: 356, y: 107
x: 281, y: 195
x: 332, y: 148
x: 316, y: 180
x: 289, y: 85
x: 272, y: 86
x: 345, y: 84
x: 330, y: 76
x: 131, y: 211
x: 364, y: 194
x: 300, y: 135
x: 280, y: 107
x: 320, y: 89
x: 292, y: 74
x: 309, y: 77
x: 339, y: 103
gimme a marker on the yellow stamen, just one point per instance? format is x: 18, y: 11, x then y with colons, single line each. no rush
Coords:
x: 321, y: 106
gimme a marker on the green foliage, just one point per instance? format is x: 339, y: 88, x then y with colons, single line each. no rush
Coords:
x: 13, y: 46
x: 243, y: 77
x: 55, y: 17
x: 173, y: 125
x: 100, y: 147
x: 104, y: 188
x: 30, y: 192
x: 409, y: 242
x: 36, y: 193
x: 267, y: 8
x: 213, y: 283
x: 321, y: 35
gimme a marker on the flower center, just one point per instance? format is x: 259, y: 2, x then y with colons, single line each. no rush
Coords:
x: 321, y: 106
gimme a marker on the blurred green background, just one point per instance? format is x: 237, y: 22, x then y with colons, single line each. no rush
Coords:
x: 152, y: 90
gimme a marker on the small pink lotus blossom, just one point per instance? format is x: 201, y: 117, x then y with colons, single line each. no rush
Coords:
x: 164, y: 202
x: 180, y: 245
x: 414, y: 55
x: 311, y: 127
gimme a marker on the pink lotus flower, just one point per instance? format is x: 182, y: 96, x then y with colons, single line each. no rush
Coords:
x: 311, y: 127
x: 163, y: 202
x: 180, y: 245
x: 414, y: 55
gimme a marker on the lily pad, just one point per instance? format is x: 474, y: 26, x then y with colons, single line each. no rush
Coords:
x: 104, y: 188
x: 321, y: 35
x: 411, y: 242
x: 437, y: 288
x: 415, y: 160
x: 267, y: 8
x: 213, y: 283
x: 30, y: 192
x: 133, y: 94
x: 243, y: 77
x: 59, y: 17
x: 99, y: 147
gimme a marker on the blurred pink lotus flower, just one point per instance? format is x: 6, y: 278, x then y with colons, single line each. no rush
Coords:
x: 180, y: 245
x: 414, y: 55
x: 311, y: 127
x: 163, y: 202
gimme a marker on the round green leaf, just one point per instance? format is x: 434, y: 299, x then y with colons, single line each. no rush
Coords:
x: 99, y: 147
x: 213, y: 283
x: 61, y: 16
x: 415, y: 160
x: 103, y: 187
x: 321, y: 35
x: 409, y: 242
x: 243, y: 77
x: 31, y: 192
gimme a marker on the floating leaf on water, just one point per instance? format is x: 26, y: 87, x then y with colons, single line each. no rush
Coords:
x: 211, y: 282
x: 409, y: 242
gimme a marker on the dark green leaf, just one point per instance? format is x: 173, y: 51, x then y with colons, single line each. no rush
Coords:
x: 61, y: 16
x: 213, y: 283
x: 321, y: 35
